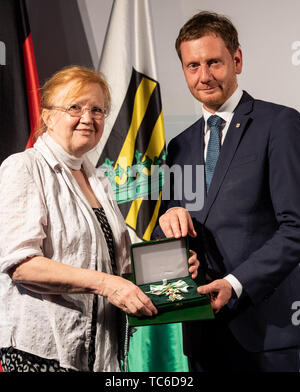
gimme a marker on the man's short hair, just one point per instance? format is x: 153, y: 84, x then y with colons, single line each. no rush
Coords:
x: 206, y: 23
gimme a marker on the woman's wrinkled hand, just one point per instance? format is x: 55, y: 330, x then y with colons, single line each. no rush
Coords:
x: 126, y: 296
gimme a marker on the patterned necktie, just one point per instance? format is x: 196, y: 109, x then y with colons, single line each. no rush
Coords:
x: 213, y: 149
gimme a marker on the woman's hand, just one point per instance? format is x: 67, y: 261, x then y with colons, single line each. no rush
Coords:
x: 194, y: 262
x: 126, y: 296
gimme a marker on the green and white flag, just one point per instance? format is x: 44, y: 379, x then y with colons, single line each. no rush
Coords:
x: 133, y: 142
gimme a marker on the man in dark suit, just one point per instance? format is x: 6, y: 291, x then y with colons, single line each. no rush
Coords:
x: 247, y: 235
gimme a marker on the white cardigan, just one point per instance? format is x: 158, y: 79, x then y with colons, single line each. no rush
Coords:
x: 44, y: 212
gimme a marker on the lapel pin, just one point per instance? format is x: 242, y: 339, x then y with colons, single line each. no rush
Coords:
x: 238, y: 125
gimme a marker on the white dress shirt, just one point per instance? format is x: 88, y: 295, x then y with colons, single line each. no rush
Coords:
x: 226, y: 112
x: 43, y: 212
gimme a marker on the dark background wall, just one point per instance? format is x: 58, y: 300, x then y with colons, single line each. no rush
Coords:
x: 58, y: 35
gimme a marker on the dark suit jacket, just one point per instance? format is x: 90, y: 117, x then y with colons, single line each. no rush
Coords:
x: 250, y: 223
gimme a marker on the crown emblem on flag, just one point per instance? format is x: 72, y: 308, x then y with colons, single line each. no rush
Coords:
x: 143, y: 179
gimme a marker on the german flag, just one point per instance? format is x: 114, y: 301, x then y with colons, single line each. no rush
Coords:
x: 134, y: 149
x: 19, y: 92
x: 31, y: 75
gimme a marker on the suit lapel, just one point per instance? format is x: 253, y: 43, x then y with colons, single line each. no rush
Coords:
x: 195, y: 149
x: 235, y: 131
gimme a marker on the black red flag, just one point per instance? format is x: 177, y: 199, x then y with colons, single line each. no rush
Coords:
x: 19, y: 86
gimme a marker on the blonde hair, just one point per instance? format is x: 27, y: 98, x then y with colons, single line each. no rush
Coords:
x: 80, y: 77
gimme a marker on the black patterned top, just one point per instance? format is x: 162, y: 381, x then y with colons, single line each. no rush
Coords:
x: 100, y: 214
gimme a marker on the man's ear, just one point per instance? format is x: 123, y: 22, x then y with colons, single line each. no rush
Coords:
x: 238, y: 61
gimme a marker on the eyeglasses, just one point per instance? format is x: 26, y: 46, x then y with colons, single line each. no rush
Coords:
x: 78, y: 111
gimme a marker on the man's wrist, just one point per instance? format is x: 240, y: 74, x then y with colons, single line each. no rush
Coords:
x: 237, y: 288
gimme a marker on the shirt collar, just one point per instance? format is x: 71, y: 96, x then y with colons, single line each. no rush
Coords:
x: 228, y: 107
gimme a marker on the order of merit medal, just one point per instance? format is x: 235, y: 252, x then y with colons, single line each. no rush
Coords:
x: 160, y: 269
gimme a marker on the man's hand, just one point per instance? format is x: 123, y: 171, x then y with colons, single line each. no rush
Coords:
x: 177, y: 223
x: 220, y: 292
x: 194, y: 262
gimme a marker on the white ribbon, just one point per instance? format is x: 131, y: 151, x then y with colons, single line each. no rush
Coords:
x: 171, y: 290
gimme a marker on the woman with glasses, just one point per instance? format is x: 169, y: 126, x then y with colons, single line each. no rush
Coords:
x: 63, y: 242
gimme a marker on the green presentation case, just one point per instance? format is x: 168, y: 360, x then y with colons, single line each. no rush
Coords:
x: 167, y: 259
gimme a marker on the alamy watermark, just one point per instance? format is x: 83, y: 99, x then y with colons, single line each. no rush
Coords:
x: 296, y: 314
x: 2, y: 53
x: 187, y: 183
x: 152, y: 182
x: 296, y: 53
